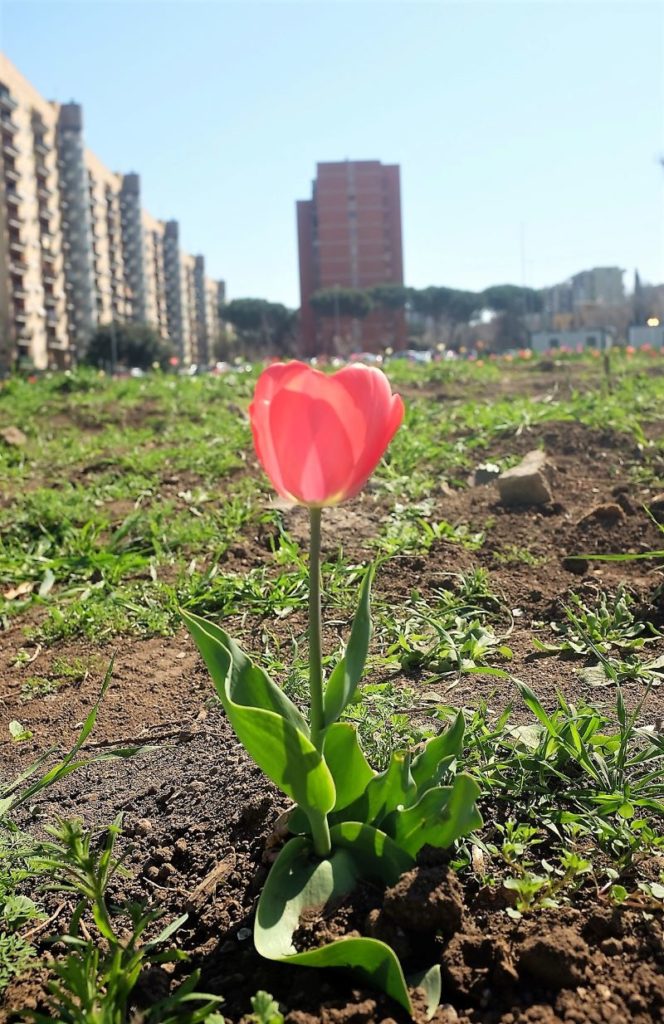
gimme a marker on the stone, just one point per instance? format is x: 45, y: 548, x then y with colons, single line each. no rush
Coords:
x: 13, y: 437
x: 527, y: 483
x: 576, y: 565
x: 485, y: 473
x: 656, y: 506
x: 609, y: 513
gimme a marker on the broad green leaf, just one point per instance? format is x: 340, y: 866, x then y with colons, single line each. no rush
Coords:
x: 298, y: 883
x: 374, y: 853
x: 438, y: 818
x: 254, y: 705
x: 429, y: 765
x: 347, y: 673
x: 431, y: 984
x: 384, y: 793
x: 349, y: 767
x: 248, y: 684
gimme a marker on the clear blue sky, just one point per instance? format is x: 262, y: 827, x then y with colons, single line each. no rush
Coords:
x: 527, y: 133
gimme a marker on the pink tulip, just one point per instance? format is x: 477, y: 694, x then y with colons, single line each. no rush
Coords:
x: 320, y: 436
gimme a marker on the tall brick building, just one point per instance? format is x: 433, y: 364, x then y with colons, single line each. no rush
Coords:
x: 349, y: 236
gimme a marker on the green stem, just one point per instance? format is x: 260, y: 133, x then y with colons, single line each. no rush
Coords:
x: 320, y: 829
x: 315, y: 642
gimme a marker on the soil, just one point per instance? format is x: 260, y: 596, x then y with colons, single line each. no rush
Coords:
x: 199, y: 818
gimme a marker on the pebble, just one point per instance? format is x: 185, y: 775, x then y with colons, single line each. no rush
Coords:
x: 142, y: 827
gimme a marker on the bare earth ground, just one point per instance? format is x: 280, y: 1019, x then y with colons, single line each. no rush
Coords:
x: 198, y: 813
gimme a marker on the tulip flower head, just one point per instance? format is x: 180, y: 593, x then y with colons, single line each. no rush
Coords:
x: 320, y: 436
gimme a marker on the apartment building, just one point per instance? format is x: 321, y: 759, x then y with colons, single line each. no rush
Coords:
x: 111, y: 294
x: 77, y: 248
x: 349, y: 236
x: 33, y: 317
x: 155, y: 310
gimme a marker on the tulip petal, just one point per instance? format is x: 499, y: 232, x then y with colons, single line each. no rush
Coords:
x: 318, y: 436
x: 267, y: 385
x: 311, y: 447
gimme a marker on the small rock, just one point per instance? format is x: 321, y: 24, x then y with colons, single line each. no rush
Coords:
x: 609, y: 513
x: 626, y: 505
x: 612, y: 947
x: 181, y: 847
x: 656, y: 506
x: 484, y: 474
x: 166, y: 871
x: 527, y: 483
x: 13, y: 437
x: 578, y: 566
x: 142, y: 827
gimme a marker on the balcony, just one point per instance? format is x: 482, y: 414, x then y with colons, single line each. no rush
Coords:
x: 20, y: 316
x: 11, y: 174
x: 50, y: 301
x: 48, y: 277
x: 16, y: 245
x: 17, y: 267
x: 41, y: 170
x: 49, y: 256
x: 6, y: 122
x: 7, y: 103
x: 41, y: 147
x: 19, y: 293
x: 43, y: 192
x: 8, y: 149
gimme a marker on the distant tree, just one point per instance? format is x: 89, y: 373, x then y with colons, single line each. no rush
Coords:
x: 447, y: 307
x: 512, y: 298
x: 350, y: 302
x: 268, y: 326
x: 132, y: 344
x: 389, y: 296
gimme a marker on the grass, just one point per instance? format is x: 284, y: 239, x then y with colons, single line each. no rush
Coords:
x: 134, y: 498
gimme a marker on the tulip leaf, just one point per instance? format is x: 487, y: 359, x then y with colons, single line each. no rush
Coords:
x: 374, y: 854
x: 429, y: 765
x: 298, y: 883
x: 346, y: 675
x: 350, y: 769
x: 247, y: 680
x: 384, y: 793
x: 439, y: 817
x: 254, y: 707
x: 430, y: 982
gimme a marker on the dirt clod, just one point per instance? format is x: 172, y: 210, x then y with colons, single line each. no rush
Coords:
x: 426, y: 899
x: 556, y: 959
